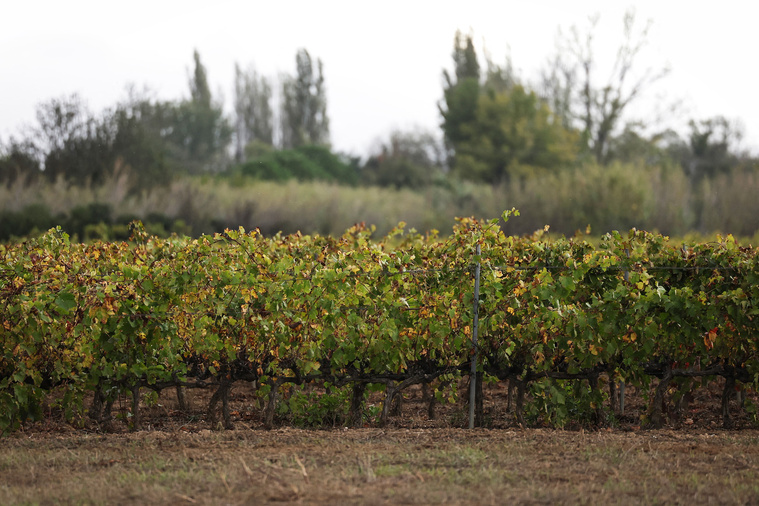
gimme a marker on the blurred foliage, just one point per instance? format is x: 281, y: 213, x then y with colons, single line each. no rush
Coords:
x: 596, y: 107
x: 254, y: 116
x: 199, y: 133
x: 303, y: 114
x: 83, y: 223
x: 31, y: 220
x: 617, y: 197
x: 406, y: 160
x: 304, y: 163
x: 495, y: 128
x: 560, y: 149
x: 513, y: 135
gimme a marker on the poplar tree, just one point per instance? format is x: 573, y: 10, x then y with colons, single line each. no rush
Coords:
x: 253, y: 111
x: 303, y: 116
x: 200, y: 133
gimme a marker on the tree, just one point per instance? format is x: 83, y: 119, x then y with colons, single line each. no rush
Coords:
x: 634, y: 145
x: 712, y: 148
x: 19, y: 161
x: 461, y: 93
x: 495, y: 128
x: 570, y: 86
x: 199, y: 131
x: 71, y: 142
x: 514, y: 135
x: 407, y: 159
x: 304, y: 117
x: 253, y: 112
x: 141, y: 144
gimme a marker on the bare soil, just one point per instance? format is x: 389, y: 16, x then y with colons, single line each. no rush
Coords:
x: 177, y: 459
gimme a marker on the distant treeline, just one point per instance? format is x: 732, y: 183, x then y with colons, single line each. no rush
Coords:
x: 558, y: 147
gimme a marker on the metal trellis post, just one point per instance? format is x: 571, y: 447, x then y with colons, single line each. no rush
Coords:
x: 475, y: 323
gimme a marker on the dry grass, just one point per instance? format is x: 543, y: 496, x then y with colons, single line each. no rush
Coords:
x: 374, y: 466
x: 616, y: 197
x: 178, y: 460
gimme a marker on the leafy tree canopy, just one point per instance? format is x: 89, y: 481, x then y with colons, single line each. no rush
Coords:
x: 514, y: 135
x: 407, y: 159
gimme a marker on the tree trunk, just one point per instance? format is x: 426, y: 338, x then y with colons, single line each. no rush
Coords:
x: 96, y: 410
x: 521, y: 386
x: 396, y: 409
x: 221, y: 394
x: 135, y: 408
x: 656, y: 417
x: 613, y: 394
x: 598, y: 412
x: 390, y: 393
x: 357, y: 404
x: 510, y: 394
x: 727, y: 392
x: 181, y: 399
x: 272, y: 404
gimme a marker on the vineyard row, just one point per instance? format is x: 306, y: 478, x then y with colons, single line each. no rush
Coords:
x: 554, y: 317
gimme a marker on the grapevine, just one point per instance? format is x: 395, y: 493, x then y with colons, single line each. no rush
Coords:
x: 117, y: 318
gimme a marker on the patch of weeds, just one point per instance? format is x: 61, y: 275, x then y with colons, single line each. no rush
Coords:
x: 560, y: 403
x: 459, y: 418
x: 751, y: 411
x: 390, y: 470
x: 315, y: 408
x: 461, y: 457
x: 372, y: 413
x: 150, y: 398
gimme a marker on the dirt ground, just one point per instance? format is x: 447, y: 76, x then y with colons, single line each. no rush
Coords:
x: 177, y: 459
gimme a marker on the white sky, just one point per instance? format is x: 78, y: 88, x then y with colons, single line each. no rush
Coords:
x: 382, y: 60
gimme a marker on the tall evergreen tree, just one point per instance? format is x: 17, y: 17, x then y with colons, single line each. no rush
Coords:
x: 200, y: 92
x: 461, y: 92
x: 304, y: 117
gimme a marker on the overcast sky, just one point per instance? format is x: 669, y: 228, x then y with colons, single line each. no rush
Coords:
x: 382, y: 60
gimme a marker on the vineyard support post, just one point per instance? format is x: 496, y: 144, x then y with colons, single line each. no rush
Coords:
x: 475, y: 323
x: 622, y: 382
x: 622, y: 397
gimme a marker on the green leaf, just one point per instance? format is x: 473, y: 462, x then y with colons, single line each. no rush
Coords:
x: 66, y: 301
x: 21, y: 394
